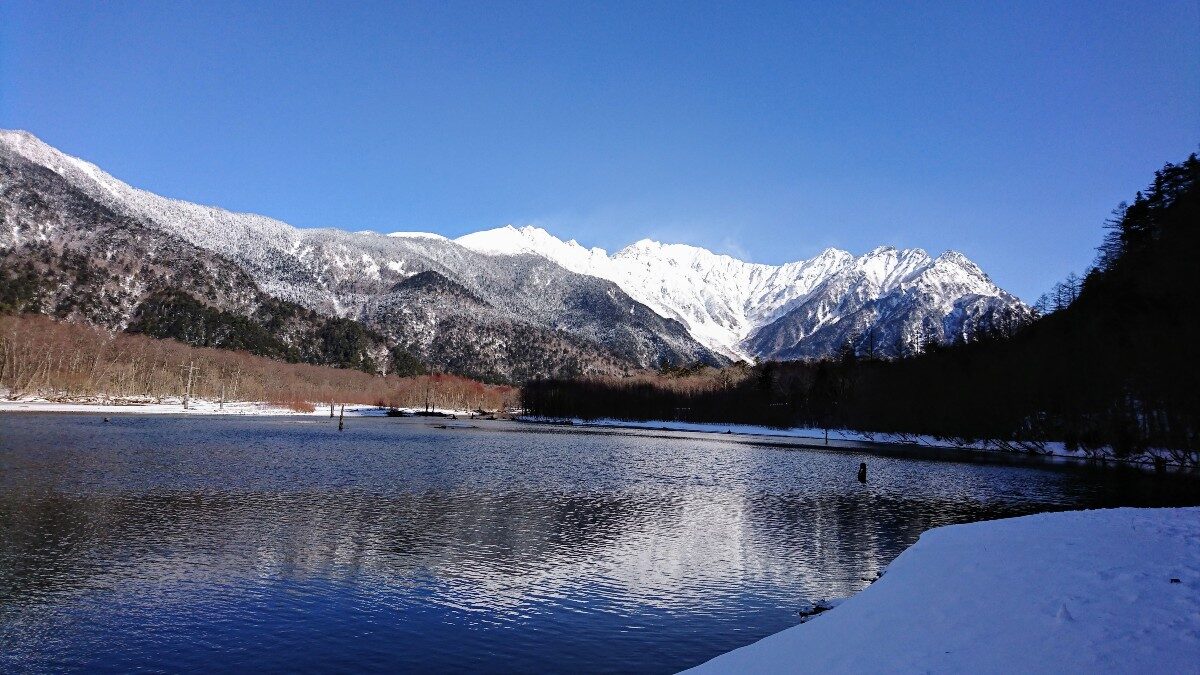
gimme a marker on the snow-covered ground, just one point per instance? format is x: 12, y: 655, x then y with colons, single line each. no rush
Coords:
x: 1111, y: 591
x: 195, y: 407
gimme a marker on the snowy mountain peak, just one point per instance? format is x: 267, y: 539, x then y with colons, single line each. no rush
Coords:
x: 417, y: 235
x: 641, y: 246
x: 959, y: 260
x: 506, y: 240
x: 530, y: 240
x: 26, y: 143
x: 722, y: 300
x: 36, y: 150
x: 733, y: 307
x: 887, y: 266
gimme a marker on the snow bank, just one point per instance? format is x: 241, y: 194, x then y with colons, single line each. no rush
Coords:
x: 1112, y: 591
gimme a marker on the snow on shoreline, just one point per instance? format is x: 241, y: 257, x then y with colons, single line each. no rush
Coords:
x: 174, y: 406
x: 1108, y: 591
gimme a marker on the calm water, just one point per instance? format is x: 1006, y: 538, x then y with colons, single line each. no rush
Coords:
x: 268, y: 544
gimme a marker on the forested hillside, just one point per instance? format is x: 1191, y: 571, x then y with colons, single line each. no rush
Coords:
x: 77, y: 243
x: 66, y: 254
x: 1115, y: 368
x: 73, y: 258
x: 60, y: 360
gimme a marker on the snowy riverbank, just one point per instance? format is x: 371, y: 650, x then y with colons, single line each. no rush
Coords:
x: 1110, y: 591
x: 171, y: 406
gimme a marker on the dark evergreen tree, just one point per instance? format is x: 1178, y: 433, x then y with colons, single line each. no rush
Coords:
x: 1115, y: 365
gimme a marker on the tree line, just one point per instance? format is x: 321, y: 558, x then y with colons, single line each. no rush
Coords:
x: 1112, y: 366
x: 67, y: 361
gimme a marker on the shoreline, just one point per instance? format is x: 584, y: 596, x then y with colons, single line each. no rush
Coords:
x: 170, y: 406
x: 1071, y: 591
x: 1056, y: 592
x: 812, y: 438
x: 796, y: 437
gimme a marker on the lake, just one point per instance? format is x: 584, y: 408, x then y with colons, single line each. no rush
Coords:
x: 207, y: 544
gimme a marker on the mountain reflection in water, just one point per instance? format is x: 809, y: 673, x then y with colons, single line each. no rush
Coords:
x: 279, y: 544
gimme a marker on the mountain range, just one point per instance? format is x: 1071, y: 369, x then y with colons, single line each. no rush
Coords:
x: 503, y: 304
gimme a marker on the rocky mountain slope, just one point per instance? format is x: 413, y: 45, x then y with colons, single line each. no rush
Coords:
x: 508, y: 319
x: 502, y: 304
x: 887, y: 301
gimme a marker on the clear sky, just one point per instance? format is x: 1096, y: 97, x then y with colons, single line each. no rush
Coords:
x: 770, y: 131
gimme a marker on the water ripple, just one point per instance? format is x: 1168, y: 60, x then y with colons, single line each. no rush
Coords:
x: 171, y: 544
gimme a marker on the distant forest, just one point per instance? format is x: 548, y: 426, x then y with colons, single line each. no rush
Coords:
x: 1110, y: 365
x: 68, y: 361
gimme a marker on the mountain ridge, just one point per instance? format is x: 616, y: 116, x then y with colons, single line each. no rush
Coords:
x: 725, y: 302
x: 532, y: 319
x: 648, y: 303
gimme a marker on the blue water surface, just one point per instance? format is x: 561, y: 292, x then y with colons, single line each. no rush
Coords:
x: 233, y: 544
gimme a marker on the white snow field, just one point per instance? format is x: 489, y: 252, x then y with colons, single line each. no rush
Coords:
x: 1108, y: 591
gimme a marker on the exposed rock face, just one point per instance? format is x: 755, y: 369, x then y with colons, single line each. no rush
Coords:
x: 888, y: 301
x: 503, y: 304
x: 524, y: 316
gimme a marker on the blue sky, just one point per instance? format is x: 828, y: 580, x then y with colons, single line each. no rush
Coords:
x: 770, y: 131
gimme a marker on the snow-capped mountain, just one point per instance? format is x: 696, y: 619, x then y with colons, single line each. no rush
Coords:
x: 502, y: 299
x: 897, y: 299
x: 503, y: 318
